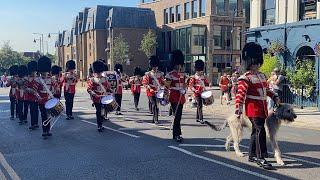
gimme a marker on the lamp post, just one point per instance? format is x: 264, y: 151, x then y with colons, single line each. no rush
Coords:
x: 41, y: 41
x: 35, y: 41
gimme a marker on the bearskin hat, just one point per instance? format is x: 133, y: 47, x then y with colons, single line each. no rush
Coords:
x: 137, y: 71
x: 252, y: 54
x: 22, y: 71
x: 32, y: 66
x: 154, y: 61
x: 105, y: 66
x: 70, y: 65
x: 199, y: 65
x: 90, y: 70
x: 44, y: 64
x: 13, y: 70
x: 55, y: 70
x: 98, y: 66
x: 176, y: 58
x: 118, y: 68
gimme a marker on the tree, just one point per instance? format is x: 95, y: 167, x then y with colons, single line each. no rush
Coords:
x: 149, y: 43
x: 270, y: 62
x: 120, y: 50
x: 52, y: 57
x: 9, y: 57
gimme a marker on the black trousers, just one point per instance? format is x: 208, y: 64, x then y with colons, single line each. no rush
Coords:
x: 118, y: 98
x: 34, y: 111
x: 177, y: 111
x: 44, y: 117
x: 199, y: 108
x: 136, y: 97
x: 258, y: 144
x: 13, y: 106
x: 69, y: 97
x: 21, y: 110
x: 99, y: 117
x: 150, y: 105
x: 154, y: 108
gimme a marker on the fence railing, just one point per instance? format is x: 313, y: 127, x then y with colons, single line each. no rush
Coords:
x: 303, y: 96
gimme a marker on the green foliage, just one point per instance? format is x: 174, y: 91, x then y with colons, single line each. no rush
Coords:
x: 52, y: 57
x: 120, y: 50
x: 149, y: 43
x: 303, y: 75
x: 270, y: 62
x: 277, y: 47
x: 9, y: 57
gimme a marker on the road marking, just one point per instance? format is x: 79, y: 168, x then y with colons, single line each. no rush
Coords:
x: 2, y: 176
x: 8, y: 168
x: 221, y: 163
x: 286, y: 156
x: 201, y: 145
x: 111, y: 129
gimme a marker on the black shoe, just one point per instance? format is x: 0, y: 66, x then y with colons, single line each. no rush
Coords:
x: 198, y: 120
x: 201, y: 121
x: 20, y: 122
x: 137, y: 109
x: 49, y: 134
x: 106, y: 119
x: 36, y: 126
x: 264, y: 164
x: 100, y: 129
x: 68, y: 118
x: 252, y: 159
x: 119, y: 113
x: 156, y: 122
x: 179, y: 139
x: 44, y: 134
x: 11, y: 118
x: 25, y: 121
x: 31, y: 128
x: 71, y: 117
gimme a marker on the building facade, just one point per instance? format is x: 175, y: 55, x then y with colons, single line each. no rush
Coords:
x: 209, y: 30
x: 293, y: 24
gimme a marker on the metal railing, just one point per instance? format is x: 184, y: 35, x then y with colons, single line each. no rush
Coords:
x: 304, y: 96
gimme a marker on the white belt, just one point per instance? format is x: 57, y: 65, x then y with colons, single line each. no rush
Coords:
x: 177, y: 88
x: 262, y: 98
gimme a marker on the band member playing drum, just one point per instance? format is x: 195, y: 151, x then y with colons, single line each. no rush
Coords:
x: 45, y: 90
x: 118, y: 91
x: 197, y: 84
x: 252, y: 94
x: 70, y: 80
x: 22, y: 105
x: 12, y: 83
x: 31, y: 94
x: 98, y: 87
x: 153, y: 81
x: 176, y: 82
x: 135, y: 82
x: 58, y: 80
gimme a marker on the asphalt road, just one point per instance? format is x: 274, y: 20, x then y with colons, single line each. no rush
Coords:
x: 133, y: 148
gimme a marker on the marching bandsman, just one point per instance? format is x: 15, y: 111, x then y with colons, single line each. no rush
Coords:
x: 12, y: 83
x: 176, y: 82
x: 153, y: 81
x: 252, y: 94
x: 197, y: 84
x: 98, y: 86
x: 70, y: 80
x: 45, y: 91
x: 22, y: 107
x: 31, y: 94
x: 136, y: 82
x: 58, y: 79
x: 118, y: 91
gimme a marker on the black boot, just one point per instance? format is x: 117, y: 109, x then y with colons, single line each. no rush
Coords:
x: 264, y: 164
x: 252, y: 159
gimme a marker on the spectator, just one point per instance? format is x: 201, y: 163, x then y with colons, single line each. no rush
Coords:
x: 234, y: 80
x: 4, y: 80
x: 223, y: 84
x: 229, y: 87
x: 271, y: 81
x: 278, y: 84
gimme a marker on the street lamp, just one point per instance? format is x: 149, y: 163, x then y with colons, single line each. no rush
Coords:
x: 41, y: 41
x: 35, y: 41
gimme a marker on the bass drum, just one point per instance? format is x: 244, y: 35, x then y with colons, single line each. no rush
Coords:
x: 109, y: 102
x: 54, y: 107
x: 207, y: 97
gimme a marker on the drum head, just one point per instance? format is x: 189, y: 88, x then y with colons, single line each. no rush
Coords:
x: 51, y: 103
x: 206, y: 94
x: 107, y: 99
x: 160, y: 94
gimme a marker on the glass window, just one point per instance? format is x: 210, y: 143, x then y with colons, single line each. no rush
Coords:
x: 187, y: 10
x: 308, y: 9
x: 178, y: 13
x: 233, y: 6
x: 172, y: 14
x: 198, y: 40
x: 222, y: 37
x: 183, y: 40
x: 221, y: 7
x: 269, y: 7
x: 202, y: 7
x: 188, y: 40
x: 246, y: 10
x: 194, y: 8
x: 166, y: 16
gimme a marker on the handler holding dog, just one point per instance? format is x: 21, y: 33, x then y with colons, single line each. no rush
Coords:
x: 252, y: 93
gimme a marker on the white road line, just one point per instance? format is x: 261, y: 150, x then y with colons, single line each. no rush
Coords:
x: 2, y: 176
x: 201, y: 145
x: 8, y: 168
x: 286, y: 156
x: 222, y: 163
x: 111, y: 129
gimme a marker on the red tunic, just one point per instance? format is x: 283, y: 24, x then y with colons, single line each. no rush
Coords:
x: 252, y: 92
x: 45, y: 96
x: 178, y: 84
x: 119, y: 84
x: 223, y: 84
x: 13, y: 87
x: 58, y: 81
x: 197, y: 84
x: 31, y: 86
x: 135, y: 82
x: 20, y: 90
x: 95, y: 90
x: 152, y: 81
x: 70, y: 80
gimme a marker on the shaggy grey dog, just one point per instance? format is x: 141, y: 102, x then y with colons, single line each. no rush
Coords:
x: 283, y: 113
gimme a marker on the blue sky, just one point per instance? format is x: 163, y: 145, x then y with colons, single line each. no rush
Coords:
x: 20, y: 18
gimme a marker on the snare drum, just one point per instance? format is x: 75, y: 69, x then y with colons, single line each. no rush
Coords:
x: 207, y: 97
x: 163, y: 97
x: 109, y: 102
x: 54, y: 107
